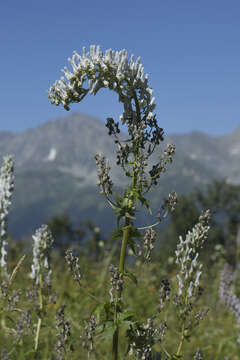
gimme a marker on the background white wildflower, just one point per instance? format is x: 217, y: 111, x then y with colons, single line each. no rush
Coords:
x: 42, y: 242
x: 187, y: 254
x: 6, y: 190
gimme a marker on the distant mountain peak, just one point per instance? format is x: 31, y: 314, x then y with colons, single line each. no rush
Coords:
x: 56, y: 171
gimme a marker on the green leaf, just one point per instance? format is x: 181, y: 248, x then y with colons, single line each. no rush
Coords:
x: 125, y: 202
x: 125, y: 324
x: 117, y: 210
x: 130, y: 276
x: 103, y: 312
x: 145, y: 203
x: 136, y: 233
x: 117, y: 233
x: 131, y: 244
x: 99, y: 313
x: 126, y: 315
x: 109, y: 310
x: 109, y: 330
x: 118, y: 198
x: 30, y: 352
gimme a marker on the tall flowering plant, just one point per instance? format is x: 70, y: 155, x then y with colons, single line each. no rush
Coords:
x: 6, y: 191
x: 114, y: 70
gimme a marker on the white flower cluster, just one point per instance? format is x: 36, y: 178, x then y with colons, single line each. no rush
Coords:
x: 42, y: 242
x: 6, y: 190
x: 114, y: 71
x: 187, y: 256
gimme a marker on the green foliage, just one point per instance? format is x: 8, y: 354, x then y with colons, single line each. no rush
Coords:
x: 216, y: 335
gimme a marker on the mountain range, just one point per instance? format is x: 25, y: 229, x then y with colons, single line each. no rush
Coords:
x: 56, y: 172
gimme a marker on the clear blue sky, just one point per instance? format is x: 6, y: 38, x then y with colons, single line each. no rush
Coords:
x: 190, y: 48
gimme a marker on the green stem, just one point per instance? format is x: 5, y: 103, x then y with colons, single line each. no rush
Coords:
x: 40, y: 317
x: 183, y: 330
x: 37, y: 333
x: 124, y: 245
x: 115, y: 346
x: 121, y: 270
x: 181, y: 341
x: 126, y: 232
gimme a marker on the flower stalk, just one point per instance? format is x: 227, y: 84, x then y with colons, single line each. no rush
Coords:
x: 90, y: 72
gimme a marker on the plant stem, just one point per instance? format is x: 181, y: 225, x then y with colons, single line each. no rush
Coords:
x: 40, y: 317
x: 124, y: 245
x: 121, y: 270
x: 126, y: 231
x: 181, y: 342
x: 37, y: 333
x: 115, y: 345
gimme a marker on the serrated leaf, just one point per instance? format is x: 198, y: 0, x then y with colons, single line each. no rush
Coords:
x: 99, y: 313
x: 118, y: 198
x: 103, y: 312
x: 131, y: 276
x: 109, y: 331
x: 136, y: 233
x: 125, y: 324
x: 146, y: 204
x: 126, y: 315
x: 131, y: 244
x: 117, y: 233
x: 117, y: 210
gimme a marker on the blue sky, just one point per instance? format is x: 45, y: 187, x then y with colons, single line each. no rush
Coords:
x: 189, y: 48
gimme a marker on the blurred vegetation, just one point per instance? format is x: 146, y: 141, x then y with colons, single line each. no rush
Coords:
x: 217, y: 333
x: 223, y: 200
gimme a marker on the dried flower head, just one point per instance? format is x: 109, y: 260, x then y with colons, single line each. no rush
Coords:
x: 4, y: 355
x: 198, y: 355
x: 116, y: 282
x: 23, y: 325
x: 63, y: 333
x: 148, y: 243
x: 159, y: 168
x: 104, y: 181
x: 143, y: 337
x: 89, y: 332
x: 73, y: 265
x: 164, y: 294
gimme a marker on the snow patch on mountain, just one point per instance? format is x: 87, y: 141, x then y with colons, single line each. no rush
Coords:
x: 51, y: 155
